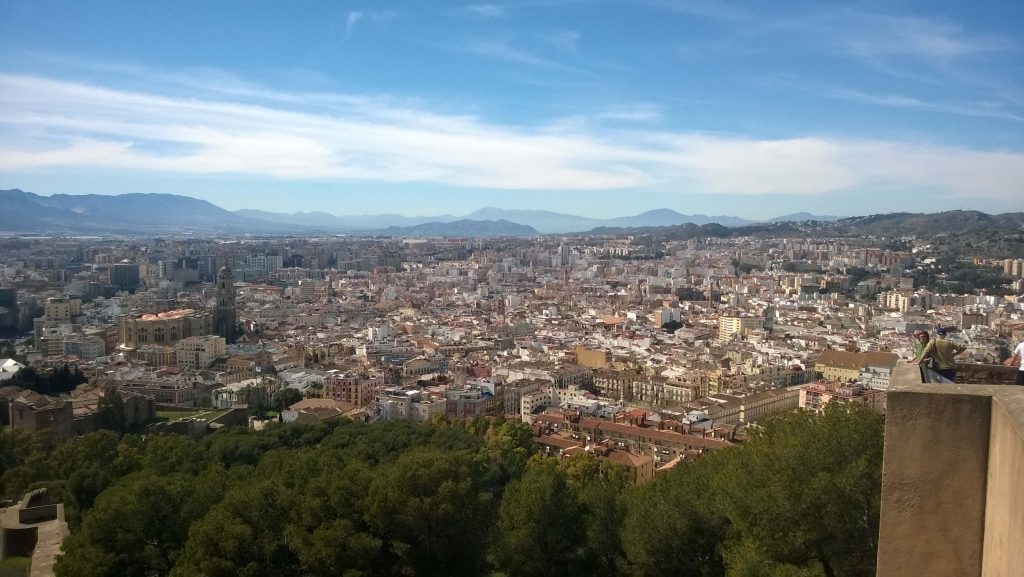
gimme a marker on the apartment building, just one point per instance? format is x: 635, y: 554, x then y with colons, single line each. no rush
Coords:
x: 729, y: 326
x: 199, y: 352
x: 815, y: 396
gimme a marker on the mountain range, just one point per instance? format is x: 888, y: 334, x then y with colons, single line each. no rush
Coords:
x: 25, y: 212
x: 127, y: 213
x: 544, y: 221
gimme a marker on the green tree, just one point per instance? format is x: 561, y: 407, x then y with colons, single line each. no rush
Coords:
x: 136, y: 527
x: 85, y: 464
x: 29, y: 458
x: 506, y: 452
x: 671, y: 326
x: 671, y: 526
x: 804, y: 493
x: 234, y: 446
x: 243, y: 535
x: 428, y: 507
x: 329, y: 535
x: 110, y: 412
x: 540, y: 529
x: 599, y: 485
x: 285, y: 398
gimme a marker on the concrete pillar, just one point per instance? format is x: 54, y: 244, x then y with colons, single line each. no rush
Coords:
x: 934, y: 477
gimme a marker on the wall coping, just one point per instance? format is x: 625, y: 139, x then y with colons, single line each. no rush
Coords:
x: 906, y: 378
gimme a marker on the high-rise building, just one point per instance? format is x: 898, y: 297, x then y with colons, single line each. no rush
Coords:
x: 207, y: 266
x: 9, y: 323
x: 224, y: 314
x: 125, y: 275
x: 729, y: 326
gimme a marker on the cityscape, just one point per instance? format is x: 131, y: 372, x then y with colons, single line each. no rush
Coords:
x: 618, y: 358
x: 512, y: 289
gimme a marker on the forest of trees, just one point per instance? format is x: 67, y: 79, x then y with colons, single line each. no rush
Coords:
x: 799, y: 498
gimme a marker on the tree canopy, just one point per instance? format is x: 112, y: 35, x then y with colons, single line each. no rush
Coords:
x: 800, y: 497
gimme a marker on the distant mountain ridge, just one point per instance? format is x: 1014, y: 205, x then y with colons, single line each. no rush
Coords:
x: 544, y: 221
x: 59, y: 214
x: 463, y: 227
x: 25, y: 212
x: 888, y: 225
x: 804, y: 217
x: 345, y: 223
x: 933, y: 224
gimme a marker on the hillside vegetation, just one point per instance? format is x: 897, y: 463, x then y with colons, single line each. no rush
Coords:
x: 801, y: 497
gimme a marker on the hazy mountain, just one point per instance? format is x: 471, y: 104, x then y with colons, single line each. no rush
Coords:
x: 891, y: 225
x: 317, y: 219
x: 464, y: 227
x: 805, y: 216
x: 545, y: 221
x: 675, y: 232
x: 124, y: 213
x: 931, y: 225
x: 555, y: 222
x: 25, y: 212
x: 343, y: 223
x: 668, y: 217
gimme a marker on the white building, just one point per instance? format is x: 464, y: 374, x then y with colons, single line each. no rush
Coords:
x: 198, y: 353
x: 85, y: 347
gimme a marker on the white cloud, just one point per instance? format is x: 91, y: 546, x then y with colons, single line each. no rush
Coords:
x: 930, y: 38
x: 982, y: 109
x: 564, y: 40
x: 80, y: 152
x: 337, y: 137
x: 503, y: 50
x: 351, y: 20
x: 639, y: 112
x: 486, y: 10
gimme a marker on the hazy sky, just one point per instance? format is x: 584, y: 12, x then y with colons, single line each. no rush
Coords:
x: 600, y: 108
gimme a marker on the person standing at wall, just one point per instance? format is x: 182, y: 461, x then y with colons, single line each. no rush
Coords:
x: 944, y: 352
x: 1017, y: 360
x: 922, y: 342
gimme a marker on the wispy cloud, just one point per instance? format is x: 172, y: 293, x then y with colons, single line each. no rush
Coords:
x: 563, y: 40
x: 930, y: 38
x: 643, y: 111
x: 704, y: 8
x: 351, y: 20
x: 850, y: 30
x: 504, y: 50
x: 980, y: 109
x: 50, y: 123
x: 486, y: 10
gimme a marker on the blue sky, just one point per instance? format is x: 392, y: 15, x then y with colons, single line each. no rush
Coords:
x: 599, y: 108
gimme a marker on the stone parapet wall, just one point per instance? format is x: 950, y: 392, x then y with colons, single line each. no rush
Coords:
x: 951, y: 479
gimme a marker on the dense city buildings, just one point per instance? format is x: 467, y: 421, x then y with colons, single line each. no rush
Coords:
x: 724, y: 331
x: 638, y: 351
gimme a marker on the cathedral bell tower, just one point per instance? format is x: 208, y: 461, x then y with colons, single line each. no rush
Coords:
x: 224, y: 314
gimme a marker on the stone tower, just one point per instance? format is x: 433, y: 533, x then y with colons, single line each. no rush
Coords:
x: 224, y: 314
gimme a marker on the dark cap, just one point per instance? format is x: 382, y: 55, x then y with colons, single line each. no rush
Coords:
x: 941, y: 331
